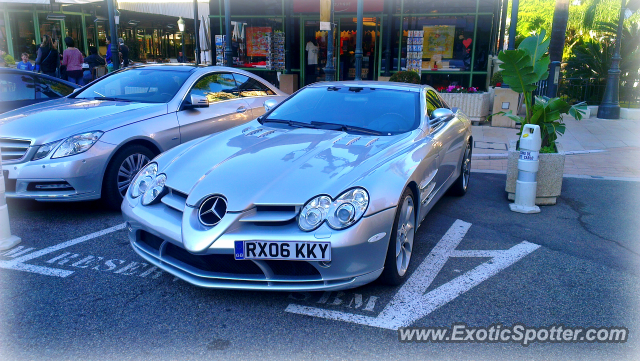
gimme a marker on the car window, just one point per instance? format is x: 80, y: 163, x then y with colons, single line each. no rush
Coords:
x: 250, y: 87
x: 51, y: 89
x: 16, y: 87
x: 433, y: 102
x: 138, y: 85
x: 216, y: 87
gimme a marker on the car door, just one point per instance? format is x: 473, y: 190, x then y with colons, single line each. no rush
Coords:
x: 226, y: 108
x: 16, y: 91
x: 255, y: 93
x: 449, y: 137
x: 47, y: 89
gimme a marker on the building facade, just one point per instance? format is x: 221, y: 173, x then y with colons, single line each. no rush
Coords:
x: 446, y: 42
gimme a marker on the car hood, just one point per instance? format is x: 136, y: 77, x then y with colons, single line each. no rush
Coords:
x: 61, y: 118
x: 259, y: 165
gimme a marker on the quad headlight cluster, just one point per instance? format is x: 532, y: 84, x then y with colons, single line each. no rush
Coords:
x: 148, y: 184
x: 73, y: 145
x: 341, y: 213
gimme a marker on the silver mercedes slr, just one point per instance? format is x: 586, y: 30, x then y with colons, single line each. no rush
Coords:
x: 324, y: 191
x: 92, y: 143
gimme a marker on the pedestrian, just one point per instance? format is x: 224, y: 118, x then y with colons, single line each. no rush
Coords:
x: 25, y: 64
x: 92, y: 60
x: 124, y: 51
x: 181, y: 58
x: 48, y: 58
x: 72, y: 58
x: 107, y: 57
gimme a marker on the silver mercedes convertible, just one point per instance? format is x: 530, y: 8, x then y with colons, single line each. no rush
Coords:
x: 324, y: 191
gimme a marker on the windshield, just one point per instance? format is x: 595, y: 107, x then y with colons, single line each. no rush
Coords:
x: 381, y: 110
x: 138, y: 85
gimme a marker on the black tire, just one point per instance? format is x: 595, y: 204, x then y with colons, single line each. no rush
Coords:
x: 391, y: 275
x: 112, y: 194
x: 460, y: 186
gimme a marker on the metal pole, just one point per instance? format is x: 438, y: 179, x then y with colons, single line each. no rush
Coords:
x: 610, y: 106
x: 195, y: 22
x: 503, y: 24
x: 184, y: 53
x: 387, y: 38
x: 558, y: 30
x: 228, y: 54
x: 6, y: 239
x: 553, y: 79
x: 513, y: 25
x: 288, y: 36
x: 359, y: 42
x: 329, y: 70
x: 115, y: 59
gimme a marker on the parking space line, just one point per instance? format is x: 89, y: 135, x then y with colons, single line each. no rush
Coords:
x: 410, y: 303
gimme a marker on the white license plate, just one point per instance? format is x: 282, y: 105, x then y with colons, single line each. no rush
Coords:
x: 293, y: 251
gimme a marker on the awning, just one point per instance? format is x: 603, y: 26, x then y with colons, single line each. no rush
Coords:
x: 175, y: 8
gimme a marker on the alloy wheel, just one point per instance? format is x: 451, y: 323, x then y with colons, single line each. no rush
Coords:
x: 404, y: 236
x: 128, y: 170
x: 466, y: 167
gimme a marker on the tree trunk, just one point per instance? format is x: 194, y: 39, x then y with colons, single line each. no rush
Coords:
x: 558, y: 30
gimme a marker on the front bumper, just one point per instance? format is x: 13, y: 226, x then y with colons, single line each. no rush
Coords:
x: 155, y: 233
x: 81, y: 173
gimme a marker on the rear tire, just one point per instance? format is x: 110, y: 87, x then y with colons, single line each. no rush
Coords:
x: 401, y: 241
x: 121, y: 170
x: 459, y: 188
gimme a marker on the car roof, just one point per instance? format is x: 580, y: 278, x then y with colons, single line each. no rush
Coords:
x: 39, y: 75
x: 370, y: 83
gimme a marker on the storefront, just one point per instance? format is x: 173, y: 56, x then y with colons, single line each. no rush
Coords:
x: 455, y: 39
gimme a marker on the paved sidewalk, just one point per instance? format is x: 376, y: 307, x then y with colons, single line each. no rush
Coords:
x: 595, y: 147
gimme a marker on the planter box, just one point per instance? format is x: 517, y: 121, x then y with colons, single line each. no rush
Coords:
x: 474, y: 105
x: 550, y: 172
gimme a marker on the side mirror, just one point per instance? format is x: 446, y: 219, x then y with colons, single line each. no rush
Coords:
x: 440, y: 115
x: 270, y: 104
x: 197, y: 101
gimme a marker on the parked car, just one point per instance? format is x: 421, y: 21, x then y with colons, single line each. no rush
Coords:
x: 92, y: 143
x: 323, y: 192
x: 19, y: 88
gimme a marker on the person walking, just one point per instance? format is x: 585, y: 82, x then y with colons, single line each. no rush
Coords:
x: 93, y: 60
x: 48, y: 58
x: 124, y: 51
x: 72, y: 58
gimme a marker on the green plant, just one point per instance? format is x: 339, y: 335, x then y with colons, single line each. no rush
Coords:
x: 9, y: 59
x: 406, y: 77
x: 496, y: 78
x: 522, y: 69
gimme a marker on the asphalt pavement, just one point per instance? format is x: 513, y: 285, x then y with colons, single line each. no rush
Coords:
x: 74, y: 289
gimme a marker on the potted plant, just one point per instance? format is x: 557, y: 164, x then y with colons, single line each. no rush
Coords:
x: 406, y: 77
x: 522, y: 69
x: 473, y: 102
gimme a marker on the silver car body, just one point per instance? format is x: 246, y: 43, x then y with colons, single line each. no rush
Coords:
x: 159, y: 127
x: 267, y: 174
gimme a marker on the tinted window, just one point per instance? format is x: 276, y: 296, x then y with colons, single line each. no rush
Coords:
x: 140, y: 85
x: 433, y: 102
x: 50, y: 89
x: 383, y: 110
x: 16, y: 87
x: 250, y: 87
x: 216, y: 87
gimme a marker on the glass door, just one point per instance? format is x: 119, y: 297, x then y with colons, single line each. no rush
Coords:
x: 370, y: 47
x: 314, y: 52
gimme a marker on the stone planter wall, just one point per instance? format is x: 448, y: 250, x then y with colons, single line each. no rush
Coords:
x: 475, y: 105
x: 550, y: 172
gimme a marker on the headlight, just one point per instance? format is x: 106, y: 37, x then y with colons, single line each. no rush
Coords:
x: 77, y: 144
x: 143, y: 180
x: 44, y: 150
x: 345, y: 211
x: 155, y: 189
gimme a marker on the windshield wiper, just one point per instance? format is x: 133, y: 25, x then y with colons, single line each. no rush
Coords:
x: 112, y: 98
x: 291, y: 123
x: 346, y: 128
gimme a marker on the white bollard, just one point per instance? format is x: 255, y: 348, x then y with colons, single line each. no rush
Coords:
x: 530, y: 142
x: 6, y: 239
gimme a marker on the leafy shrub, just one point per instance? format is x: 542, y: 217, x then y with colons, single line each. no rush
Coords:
x: 496, y: 79
x: 406, y: 77
x: 9, y: 59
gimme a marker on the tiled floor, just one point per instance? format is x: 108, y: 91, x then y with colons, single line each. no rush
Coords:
x: 619, y: 141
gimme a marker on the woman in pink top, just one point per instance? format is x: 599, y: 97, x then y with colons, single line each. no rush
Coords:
x: 72, y: 58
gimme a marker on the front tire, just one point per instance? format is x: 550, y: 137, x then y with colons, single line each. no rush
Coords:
x: 120, y: 172
x: 401, y: 242
x: 459, y: 188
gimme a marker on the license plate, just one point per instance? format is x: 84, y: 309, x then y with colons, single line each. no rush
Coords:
x: 293, y: 251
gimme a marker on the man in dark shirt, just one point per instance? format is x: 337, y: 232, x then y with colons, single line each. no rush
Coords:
x: 124, y: 50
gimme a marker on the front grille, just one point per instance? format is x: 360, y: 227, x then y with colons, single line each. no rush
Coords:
x: 292, y: 268
x: 13, y: 149
x: 151, y: 240
x: 216, y: 263
x: 9, y: 184
x: 272, y: 215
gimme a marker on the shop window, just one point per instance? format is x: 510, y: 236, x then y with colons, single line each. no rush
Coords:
x: 441, y: 80
x: 250, y: 87
x: 250, y: 43
x: 216, y: 87
x: 446, y: 7
x: 23, y: 34
x: 17, y: 87
x: 252, y: 7
x: 483, y: 42
x: 447, y: 42
x: 480, y: 82
x: 73, y: 28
